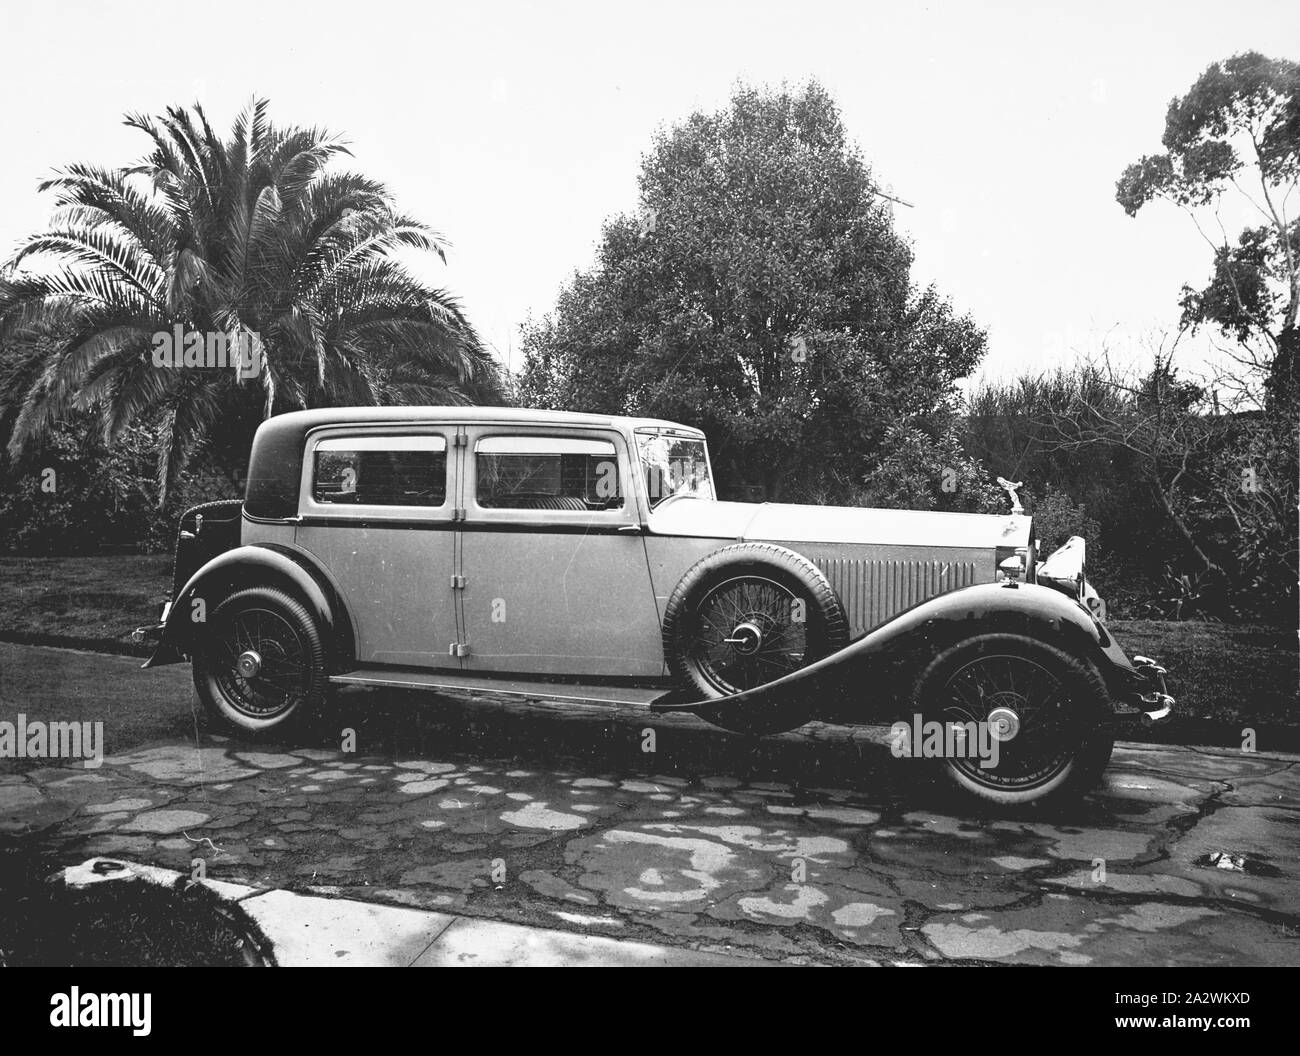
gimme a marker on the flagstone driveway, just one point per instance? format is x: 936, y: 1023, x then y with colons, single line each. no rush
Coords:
x: 1185, y: 856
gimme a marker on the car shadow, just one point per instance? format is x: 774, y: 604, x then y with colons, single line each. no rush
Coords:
x: 634, y: 742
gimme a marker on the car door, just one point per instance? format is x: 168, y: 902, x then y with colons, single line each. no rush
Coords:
x: 376, y: 512
x: 553, y: 557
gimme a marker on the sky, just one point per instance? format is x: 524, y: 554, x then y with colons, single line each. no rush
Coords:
x: 515, y: 128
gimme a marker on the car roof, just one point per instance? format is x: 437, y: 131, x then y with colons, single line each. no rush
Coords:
x: 307, y: 420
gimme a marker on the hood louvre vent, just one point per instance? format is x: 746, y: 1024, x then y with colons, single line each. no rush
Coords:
x: 873, y: 591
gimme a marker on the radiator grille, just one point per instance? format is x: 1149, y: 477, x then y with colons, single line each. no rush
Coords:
x: 873, y: 591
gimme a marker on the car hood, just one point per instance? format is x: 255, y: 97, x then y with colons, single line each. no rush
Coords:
x: 787, y: 522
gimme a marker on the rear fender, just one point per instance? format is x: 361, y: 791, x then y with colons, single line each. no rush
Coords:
x: 249, y: 566
x: 838, y: 682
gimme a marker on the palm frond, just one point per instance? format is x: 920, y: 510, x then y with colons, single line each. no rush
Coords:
x: 256, y: 235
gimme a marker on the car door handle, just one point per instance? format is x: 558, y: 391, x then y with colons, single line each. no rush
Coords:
x: 631, y: 529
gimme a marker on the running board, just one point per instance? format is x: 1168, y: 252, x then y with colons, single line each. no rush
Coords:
x: 514, y: 687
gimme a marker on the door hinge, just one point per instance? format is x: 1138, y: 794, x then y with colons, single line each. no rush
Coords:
x: 459, y: 440
x: 458, y: 649
x: 457, y: 582
x: 458, y: 513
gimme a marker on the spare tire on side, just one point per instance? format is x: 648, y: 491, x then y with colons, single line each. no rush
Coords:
x: 745, y: 615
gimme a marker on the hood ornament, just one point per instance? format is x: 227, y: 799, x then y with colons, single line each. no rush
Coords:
x: 1010, y: 488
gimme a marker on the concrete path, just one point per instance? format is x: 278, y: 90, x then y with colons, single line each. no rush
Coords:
x: 816, y: 847
x: 312, y: 931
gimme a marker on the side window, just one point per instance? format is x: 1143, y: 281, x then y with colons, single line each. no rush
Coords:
x: 381, y: 471
x: 547, y: 473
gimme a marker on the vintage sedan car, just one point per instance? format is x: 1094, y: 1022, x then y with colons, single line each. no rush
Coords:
x: 587, y: 557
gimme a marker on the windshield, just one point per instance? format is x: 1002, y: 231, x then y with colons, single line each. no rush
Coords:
x: 674, y: 466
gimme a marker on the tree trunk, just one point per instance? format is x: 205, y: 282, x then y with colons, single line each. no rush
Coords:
x: 1281, y: 375
x: 1206, y: 562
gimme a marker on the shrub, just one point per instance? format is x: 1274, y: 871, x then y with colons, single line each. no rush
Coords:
x: 78, y: 495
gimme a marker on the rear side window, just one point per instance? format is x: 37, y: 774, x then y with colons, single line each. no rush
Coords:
x: 560, y: 473
x: 381, y: 471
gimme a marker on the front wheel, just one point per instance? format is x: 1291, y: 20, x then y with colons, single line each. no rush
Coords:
x: 1015, y: 720
x: 261, y: 664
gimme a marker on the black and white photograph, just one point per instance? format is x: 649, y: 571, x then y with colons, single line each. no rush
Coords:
x: 684, y: 485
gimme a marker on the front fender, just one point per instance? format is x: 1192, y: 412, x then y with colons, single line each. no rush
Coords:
x: 247, y: 566
x: 919, y: 633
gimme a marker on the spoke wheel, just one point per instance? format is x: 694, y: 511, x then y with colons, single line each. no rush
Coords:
x: 1046, y: 708
x: 262, y: 662
x: 746, y: 615
x: 746, y: 634
x: 1026, y: 707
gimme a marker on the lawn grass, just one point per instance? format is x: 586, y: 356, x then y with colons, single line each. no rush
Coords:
x: 88, y: 602
x: 1224, y: 676
x: 1228, y: 676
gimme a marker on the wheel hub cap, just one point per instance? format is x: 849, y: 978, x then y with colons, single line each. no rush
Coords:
x: 1004, y: 724
x: 746, y: 639
x: 249, y: 663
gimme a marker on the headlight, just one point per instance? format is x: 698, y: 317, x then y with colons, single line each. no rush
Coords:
x: 1011, y: 568
x: 1064, y: 570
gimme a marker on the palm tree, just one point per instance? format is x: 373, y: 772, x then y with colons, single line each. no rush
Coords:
x: 255, y: 238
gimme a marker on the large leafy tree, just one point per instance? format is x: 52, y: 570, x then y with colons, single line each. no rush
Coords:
x: 255, y: 236
x: 762, y: 293
x: 1232, y: 147
x: 1235, y: 136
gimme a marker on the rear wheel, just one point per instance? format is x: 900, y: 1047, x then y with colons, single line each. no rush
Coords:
x: 744, y: 616
x: 261, y: 665
x: 1040, y: 709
